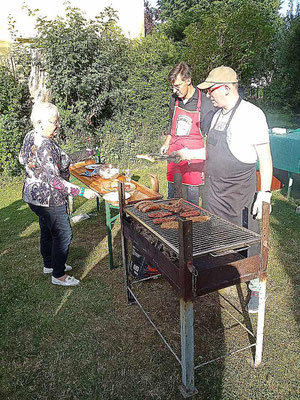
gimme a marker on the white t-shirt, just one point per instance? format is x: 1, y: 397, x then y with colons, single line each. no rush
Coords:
x: 247, y: 129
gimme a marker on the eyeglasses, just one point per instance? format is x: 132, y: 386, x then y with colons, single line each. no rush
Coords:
x: 209, y: 91
x: 54, y: 122
x: 177, y: 87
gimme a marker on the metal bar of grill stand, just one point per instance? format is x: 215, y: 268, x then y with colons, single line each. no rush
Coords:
x: 187, y: 388
x: 124, y: 243
x: 263, y: 283
x: 178, y: 185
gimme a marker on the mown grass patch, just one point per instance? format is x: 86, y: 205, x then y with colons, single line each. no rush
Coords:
x: 86, y: 343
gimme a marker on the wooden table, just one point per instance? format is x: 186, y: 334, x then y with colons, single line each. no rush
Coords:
x: 99, y: 184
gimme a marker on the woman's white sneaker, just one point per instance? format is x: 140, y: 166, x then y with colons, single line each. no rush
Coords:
x: 50, y: 270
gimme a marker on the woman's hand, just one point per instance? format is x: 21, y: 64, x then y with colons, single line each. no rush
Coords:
x: 90, y: 194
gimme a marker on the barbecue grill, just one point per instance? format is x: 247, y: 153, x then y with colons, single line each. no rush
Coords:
x: 208, y: 257
x: 216, y: 234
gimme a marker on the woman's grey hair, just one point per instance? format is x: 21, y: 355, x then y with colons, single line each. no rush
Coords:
x: 42, y: 111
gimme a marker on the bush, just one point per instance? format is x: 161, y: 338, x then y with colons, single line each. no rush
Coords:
x: 107, y: 88
x: 86, y: 61
x: 14, y: 120
x: 143, y: 111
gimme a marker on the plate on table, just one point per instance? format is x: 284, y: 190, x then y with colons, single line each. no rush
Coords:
x: 128, y: 186
x: 114, y: 196
x: 92, y: 166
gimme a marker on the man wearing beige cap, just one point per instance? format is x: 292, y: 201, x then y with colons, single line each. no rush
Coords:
x: 237, y: 137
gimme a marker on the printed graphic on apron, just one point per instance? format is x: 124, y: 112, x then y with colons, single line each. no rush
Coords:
x: 220, y: 125
x: 183, y: 125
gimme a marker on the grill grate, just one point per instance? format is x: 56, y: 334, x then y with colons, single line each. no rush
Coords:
x: 211, y: 236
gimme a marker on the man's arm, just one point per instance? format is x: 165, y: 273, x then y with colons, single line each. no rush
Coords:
x: 266, y: 173
x: 191, y: 154
x: 265, y: 166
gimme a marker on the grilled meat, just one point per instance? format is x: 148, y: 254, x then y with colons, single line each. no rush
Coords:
x: 158, y: 221
x: 200, y: 218
x: 150, y: 207
x: 159, y: 214
x: 191, y: 213
x: 169, y: 225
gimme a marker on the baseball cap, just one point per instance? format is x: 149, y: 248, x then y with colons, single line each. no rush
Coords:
x: 219, y: 75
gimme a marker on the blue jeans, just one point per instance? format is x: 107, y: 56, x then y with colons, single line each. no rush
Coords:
x: 192, y: 192
x: 56, y: 236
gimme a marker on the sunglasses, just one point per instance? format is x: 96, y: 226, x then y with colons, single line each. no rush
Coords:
x: 209, y: 91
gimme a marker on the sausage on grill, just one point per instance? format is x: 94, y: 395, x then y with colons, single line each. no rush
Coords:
x: 187, y: 207
x: 191, y: 213
x: 140, y: 204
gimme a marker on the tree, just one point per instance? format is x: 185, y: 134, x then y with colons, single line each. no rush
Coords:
x: 150, y: 17
x: 238, y: 36
x: 176, y: 15
x: 284, y: 90
x: 86, y: 61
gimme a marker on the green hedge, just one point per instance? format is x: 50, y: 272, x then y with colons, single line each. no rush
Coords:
x: 14, y: 119
x: 115, y: 90
x: 108, y: 88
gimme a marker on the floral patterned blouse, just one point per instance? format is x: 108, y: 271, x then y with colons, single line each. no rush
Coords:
x: 47, y: 171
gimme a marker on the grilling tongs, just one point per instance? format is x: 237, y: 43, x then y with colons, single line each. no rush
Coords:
x: 159, y: 157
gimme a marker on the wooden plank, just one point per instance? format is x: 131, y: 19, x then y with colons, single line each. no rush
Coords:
x: 275, y: 185
x: 227, y: 274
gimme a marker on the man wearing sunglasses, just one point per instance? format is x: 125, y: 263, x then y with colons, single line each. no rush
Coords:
x: 238, y: 136
x: 190, y: 117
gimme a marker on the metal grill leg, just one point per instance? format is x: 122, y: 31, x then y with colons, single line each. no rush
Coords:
x: 109, y: 235
x: 187, y: 388
x: 260, y: 323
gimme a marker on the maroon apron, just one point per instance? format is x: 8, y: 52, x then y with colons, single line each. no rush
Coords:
x: 186, y: 132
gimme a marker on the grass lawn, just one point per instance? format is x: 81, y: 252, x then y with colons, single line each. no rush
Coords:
x: 85, y: 343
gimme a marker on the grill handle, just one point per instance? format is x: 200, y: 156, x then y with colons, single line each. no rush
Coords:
x: 226, y: 252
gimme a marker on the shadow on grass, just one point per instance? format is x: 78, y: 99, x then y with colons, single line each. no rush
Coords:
x: 285, y: 225
x: 161, y: 302
x: 21, y: 261
x: 15, y: 219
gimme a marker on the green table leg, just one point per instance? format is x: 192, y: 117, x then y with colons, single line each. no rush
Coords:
x: 290, y: 184
x: 109, y: 221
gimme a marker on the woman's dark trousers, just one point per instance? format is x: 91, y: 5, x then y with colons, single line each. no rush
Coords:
x: 56, y: 236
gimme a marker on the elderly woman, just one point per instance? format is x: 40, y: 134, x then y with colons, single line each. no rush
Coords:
x: 46, y: 189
